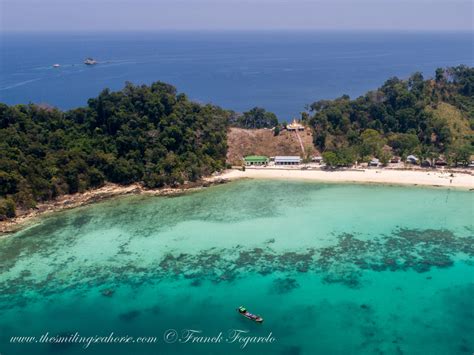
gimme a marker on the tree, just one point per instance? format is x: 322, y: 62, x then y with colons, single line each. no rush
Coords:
x: 371, y: 143
x: 404, y: 143
x: 342, y: 157
x: 461, y: 154
x: 308, y: 154
x: 257, y: 118
x: 439, y: 75
x: 276, y: 131
x: 385, y: 157
x: 8, y: 183
x: 330, y: 159
x: 7, y: 208
x: 416, y: 84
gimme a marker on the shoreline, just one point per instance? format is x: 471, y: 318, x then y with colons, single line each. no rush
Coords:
x: 26, y: 217
x: 463, y: 181
x: 418, y: 178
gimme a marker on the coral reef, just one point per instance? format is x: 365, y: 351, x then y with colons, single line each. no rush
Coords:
x: 343, y: 262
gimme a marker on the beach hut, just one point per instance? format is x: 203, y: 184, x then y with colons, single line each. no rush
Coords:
x: 412, y: 159
x: 374, y: 162
x: 287, y: 160
x: 256, y: 160
x: 441, y: 162
x: 317, y: 159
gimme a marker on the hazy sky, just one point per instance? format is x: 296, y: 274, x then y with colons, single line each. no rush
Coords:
x: 235, y: 14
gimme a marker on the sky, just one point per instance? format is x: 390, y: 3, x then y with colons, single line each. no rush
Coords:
x: 119, y: 15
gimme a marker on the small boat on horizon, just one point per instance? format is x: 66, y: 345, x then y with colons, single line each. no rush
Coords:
x: 243, y: 311
x: 56, y: 65
x: 90, y: 61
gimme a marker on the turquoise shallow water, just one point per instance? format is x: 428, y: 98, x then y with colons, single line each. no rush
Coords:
x: 333, y: 269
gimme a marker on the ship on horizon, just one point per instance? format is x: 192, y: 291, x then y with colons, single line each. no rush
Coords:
x: 90, y: 61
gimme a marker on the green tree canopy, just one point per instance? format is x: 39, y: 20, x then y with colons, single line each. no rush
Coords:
x: 400, y: 113
x: 149, y: 134
x: 256, y: 118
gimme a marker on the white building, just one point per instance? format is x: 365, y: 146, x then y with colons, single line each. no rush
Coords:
x: 295, y: 126
x: 287, y: 160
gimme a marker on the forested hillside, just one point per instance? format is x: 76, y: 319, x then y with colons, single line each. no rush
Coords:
x: 415, y: 116
x: 147, y: 134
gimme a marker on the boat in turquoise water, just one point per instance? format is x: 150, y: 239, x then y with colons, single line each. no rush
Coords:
x: 243, y: 311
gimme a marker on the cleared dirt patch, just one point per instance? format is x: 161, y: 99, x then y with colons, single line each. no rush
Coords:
x: 244, y: 142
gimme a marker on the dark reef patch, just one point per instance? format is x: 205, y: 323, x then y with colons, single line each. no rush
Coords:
x: 284, y: 285
x: 154, y: 310
x: 291, y: 350
x: 196, y: 283
x: 343, y: 263
x: 81, y: 219
x: 107, y: 292
x: 419, y: 250
x: 458, y: 303
x: 350, y: 279
x: 129, y: 316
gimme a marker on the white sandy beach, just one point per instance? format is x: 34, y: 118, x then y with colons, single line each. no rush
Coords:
x: 380, y: 176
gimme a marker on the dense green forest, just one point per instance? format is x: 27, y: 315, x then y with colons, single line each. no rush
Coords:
x: 427, y: 118
x: 148, y: 134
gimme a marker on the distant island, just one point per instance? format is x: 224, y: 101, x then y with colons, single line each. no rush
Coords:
x: 157, y: 137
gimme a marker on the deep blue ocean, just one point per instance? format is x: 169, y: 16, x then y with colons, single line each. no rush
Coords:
x: 281, y: 71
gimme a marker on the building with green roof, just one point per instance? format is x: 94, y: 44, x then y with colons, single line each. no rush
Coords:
x: 256, y: 160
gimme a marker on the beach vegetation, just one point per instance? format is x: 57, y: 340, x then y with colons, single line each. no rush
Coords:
x: 345, y: 156
x: 460, y: 154
x: 276, y: 130
x: 7, y: 208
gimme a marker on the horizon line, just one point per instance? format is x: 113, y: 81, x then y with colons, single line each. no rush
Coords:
x: 383, y: 30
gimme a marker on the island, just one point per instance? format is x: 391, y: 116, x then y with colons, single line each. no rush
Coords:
x: 152, y: 137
